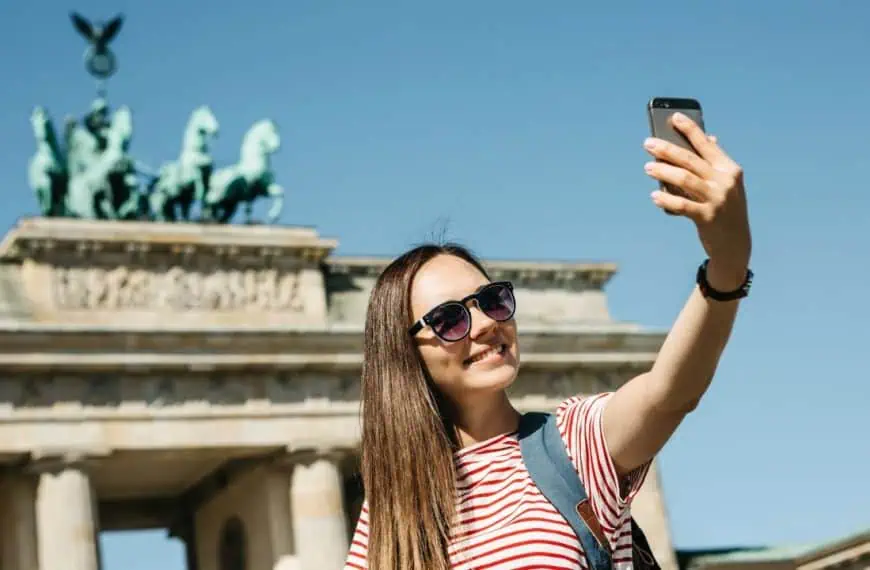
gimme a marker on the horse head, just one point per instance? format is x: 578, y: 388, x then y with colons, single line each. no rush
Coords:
x: 41, y: 124
x: 43, y: 132
x: 203, y: 122
x: 262, y: 138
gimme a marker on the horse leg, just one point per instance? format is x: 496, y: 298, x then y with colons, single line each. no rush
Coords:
x: 276, y: 192
x: 185, y: 202
x: 226, y: 213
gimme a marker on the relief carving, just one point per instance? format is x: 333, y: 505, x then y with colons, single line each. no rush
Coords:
x: 177, y: 289
x: 167, y: 391
x: 292, y: 387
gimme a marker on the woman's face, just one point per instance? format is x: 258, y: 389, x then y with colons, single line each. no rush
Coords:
x: 487, y: 359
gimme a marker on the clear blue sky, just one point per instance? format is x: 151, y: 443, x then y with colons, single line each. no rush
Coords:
x: 521, y: 124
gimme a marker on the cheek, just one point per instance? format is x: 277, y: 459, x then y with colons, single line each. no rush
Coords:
x: 441, y: 363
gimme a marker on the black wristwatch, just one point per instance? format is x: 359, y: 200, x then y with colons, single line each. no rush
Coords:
x: 711, y: 293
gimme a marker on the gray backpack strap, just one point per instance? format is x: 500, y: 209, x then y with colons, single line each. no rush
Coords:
x: 549, y: 466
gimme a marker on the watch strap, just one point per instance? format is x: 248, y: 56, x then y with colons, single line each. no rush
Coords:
x: 709, y: 292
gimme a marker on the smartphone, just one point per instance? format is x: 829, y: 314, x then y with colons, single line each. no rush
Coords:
x: 660, y: 110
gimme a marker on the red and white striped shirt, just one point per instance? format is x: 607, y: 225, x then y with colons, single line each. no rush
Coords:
x: 504, y: 522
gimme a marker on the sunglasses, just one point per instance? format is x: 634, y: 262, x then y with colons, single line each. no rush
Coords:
x: 451, y: 320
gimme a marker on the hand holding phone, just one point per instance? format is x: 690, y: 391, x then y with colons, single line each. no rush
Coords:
x: 700, y: 182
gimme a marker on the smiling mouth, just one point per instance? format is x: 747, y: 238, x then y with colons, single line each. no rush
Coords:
x: 493, y: 352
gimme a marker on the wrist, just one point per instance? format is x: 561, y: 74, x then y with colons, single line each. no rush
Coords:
x: 726, y: 276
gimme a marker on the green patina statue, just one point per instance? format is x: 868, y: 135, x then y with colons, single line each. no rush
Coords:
x: 89, y: 172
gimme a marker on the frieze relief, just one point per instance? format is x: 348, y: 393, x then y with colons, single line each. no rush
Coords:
x: 175, y: 289
x: 255, y: 390
x: 170, y: 391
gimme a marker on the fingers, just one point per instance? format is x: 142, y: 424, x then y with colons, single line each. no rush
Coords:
x: 707, y: 147
x: 678, y: 156
x: 699, y: 139
x: 697, y: 212
x: 689, y: 182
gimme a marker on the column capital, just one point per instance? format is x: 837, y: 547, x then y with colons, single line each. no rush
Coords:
x: 309, y: 455
x: 317, y: 507
x: 53, y: 461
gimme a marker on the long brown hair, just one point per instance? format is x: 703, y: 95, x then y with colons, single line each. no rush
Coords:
x: 408, y: 437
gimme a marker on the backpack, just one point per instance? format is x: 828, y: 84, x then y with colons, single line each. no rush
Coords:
x: 549, y: 466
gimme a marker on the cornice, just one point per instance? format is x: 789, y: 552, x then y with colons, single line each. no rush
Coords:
x: 593, y: 275
x: 86, y: 240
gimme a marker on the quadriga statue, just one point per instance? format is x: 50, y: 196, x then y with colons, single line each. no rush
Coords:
x: 89, y: 172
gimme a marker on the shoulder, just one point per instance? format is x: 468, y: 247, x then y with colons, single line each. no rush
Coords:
x: 581, y: 411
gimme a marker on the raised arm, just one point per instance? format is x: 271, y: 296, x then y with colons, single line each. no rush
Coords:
x: 643, y: 414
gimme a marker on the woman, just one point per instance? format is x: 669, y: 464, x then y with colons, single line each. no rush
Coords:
x: 444, y: 478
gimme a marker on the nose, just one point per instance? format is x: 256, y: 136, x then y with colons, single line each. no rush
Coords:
x: 481, y: 323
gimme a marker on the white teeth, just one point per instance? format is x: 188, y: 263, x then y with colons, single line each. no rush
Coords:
x: 481, y: 356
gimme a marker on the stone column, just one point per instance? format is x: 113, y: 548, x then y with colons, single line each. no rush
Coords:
x: 65, y: 517
x: 18, y: 522
x: 184, y: 529
x: 648, y: 508
x: 317, y: 510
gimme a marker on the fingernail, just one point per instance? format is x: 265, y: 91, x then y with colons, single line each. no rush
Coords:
x: 648, y: 166
x: 650, y: 144
x: 679, y: 117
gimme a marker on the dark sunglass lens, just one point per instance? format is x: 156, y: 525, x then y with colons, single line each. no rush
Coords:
x: 498, y: 302
x: 450, y: 322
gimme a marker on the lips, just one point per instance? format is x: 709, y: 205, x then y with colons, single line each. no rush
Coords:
x: 483, y: 354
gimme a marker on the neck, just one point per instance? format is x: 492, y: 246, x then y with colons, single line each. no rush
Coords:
x: 254, y: 157
x: 481, y: 419
x: 194, y: 143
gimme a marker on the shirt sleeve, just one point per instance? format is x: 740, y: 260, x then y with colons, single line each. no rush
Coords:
x: 357, y: 556
x: 580, y: 422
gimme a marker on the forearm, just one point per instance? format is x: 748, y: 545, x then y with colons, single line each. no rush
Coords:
x: 690, y: 354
